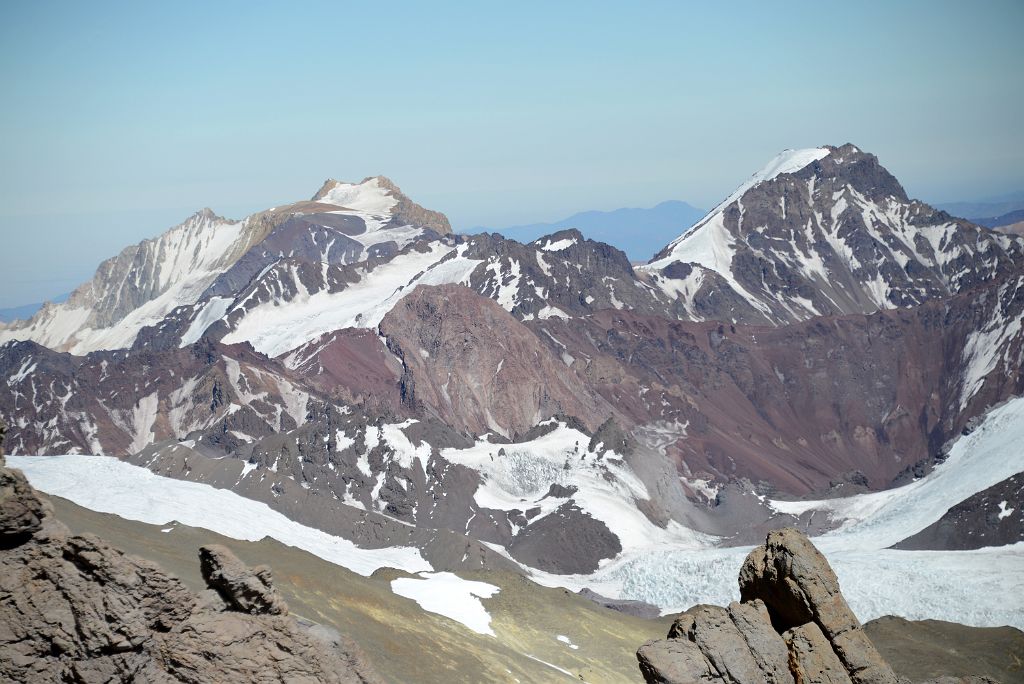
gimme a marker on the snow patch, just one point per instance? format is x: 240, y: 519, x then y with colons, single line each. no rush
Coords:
x: 558, y: 245
x: 212, y: 311
x: 274, y: 329
x: 567, y: 641
x: 447, y: 594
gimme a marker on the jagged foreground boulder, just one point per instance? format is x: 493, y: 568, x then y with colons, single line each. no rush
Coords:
x: 73, y: 608
x: 792, y: 626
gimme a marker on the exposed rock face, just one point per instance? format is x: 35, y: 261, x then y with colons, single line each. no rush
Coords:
x: 793, y: 625
x: 811, y: 657
x: 835, y: 233
x: 992, y: 517
x: 639, y: 609
x: 471, y: 362
x: 250, y: 590
x: 73, y: 608
x: 21, y: 515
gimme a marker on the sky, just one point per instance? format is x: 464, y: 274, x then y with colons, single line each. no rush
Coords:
x: 121, y: 119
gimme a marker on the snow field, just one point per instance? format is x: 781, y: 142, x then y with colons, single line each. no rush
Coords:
x: 447, y: 594
x: 107, y: 485
x: 275, y: 329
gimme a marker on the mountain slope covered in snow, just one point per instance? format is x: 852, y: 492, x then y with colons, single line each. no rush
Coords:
x: 825, y: 231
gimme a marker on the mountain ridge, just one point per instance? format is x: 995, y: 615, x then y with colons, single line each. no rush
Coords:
x: 639, y: 232
x: 336, y: 361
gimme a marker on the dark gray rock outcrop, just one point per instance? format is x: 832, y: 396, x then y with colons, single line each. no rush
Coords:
x: 991, y: 517
x: 793, y: 625
x: 639, y: 609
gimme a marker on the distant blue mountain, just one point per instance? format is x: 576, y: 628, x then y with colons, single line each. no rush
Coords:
x: 640, y: 233
x: 25, y: 311
x: 986, y: 208
x: 1000, y: 221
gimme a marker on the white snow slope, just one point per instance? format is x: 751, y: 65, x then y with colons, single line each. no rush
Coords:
x: 107, y: 485
x: 673, y: 568
x: 704, y: 243
x: 278, y: 327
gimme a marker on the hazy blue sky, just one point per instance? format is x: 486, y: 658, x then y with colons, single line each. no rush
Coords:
x: 120, y: 119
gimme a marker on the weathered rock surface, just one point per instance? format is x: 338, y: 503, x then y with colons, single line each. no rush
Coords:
x: 798, y: 586
x: 675, y: 661
x: 639, y: 609
x: 472, y: 363
x: 793, y: 625
x: 811, y: 658
x: 249, y: 590
x: 21, y: 515
x: 73, y: 608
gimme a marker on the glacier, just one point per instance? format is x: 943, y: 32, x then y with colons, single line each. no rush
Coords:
x: 672, y: 568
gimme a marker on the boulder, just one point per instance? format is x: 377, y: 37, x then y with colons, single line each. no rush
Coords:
x: 711, y: 628
x: 21, y: 512
x: 245, y: 589
x: 766, y: 646
x: 792, y: 626
x: 798, y: 586
x: 675, y: 661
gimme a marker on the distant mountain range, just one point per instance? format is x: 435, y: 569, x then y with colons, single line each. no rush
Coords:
x: 992, y: 207
x: 1002, y: 220
x: 26, y: 311
x: 637, y: 232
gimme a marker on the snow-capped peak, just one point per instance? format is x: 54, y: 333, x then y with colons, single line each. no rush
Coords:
x: 372, y: 195
x: 823, y: 231
x: 787, y: 161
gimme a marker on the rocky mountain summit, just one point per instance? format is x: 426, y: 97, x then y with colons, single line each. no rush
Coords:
x: 792, y: 624
x: 74, y: 608
x: 825, y: 231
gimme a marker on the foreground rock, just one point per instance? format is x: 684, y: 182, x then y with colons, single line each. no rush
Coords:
x: 792, y: 626
x: 73, y: 608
